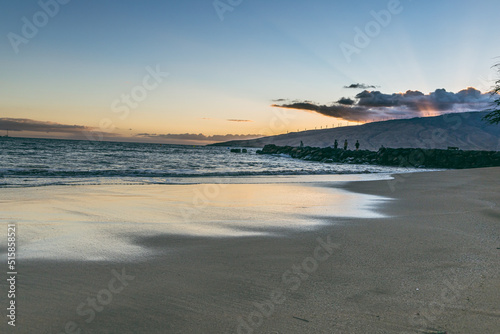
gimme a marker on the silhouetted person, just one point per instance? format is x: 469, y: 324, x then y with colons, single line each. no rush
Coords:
x: 301, y: 144
x: 345, y: 145
x: 336, y: 144
x: 357, y: 145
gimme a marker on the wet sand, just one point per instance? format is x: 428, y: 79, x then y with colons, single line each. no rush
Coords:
x: 428, y: 263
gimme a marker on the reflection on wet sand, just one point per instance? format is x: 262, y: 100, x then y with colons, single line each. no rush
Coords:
x: 98, y: 222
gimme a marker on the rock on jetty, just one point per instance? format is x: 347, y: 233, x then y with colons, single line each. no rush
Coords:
x: 403, y: 157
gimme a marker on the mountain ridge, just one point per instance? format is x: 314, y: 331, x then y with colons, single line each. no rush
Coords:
x: 467, y: 131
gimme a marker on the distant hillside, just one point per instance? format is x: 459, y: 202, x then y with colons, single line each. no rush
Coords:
x: 463, y: 130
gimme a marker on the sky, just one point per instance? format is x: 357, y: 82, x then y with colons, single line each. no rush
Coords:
x: 201, y: 71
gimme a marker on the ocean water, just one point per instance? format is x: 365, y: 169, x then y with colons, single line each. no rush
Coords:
x: 40, y: 162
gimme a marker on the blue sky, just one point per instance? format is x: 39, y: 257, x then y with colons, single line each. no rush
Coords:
x: 91, y: 52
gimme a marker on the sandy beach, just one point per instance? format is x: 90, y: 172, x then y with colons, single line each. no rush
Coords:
x: 423, y: 259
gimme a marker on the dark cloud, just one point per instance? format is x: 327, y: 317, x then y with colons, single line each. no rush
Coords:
x: 279, y: 100
x: 369, y: 105
x: 360, y: 86
x: 351, y: 113
x: 199, y: 137
x: 346, y: 101
x: 239, y: 120
x: 439, y: 100
x: 23, y: 124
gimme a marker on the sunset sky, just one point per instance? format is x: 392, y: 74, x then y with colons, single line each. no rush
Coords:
x: 196, y: 71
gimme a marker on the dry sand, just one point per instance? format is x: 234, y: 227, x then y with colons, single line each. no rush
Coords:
x: 431, y: 267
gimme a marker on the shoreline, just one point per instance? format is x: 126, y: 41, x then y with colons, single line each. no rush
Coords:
x: 229, y: 178
x: 431, y: 266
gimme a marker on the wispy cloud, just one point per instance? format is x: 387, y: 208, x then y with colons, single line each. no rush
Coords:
x: 360, y: 86
x: 24, y: 124
x: 240, y: 120
x: 376, y: 105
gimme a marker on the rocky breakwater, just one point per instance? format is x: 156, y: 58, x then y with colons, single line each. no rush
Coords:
x: 403, y: 157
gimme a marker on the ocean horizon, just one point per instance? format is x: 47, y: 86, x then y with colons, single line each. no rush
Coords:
x: 31, y: 162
